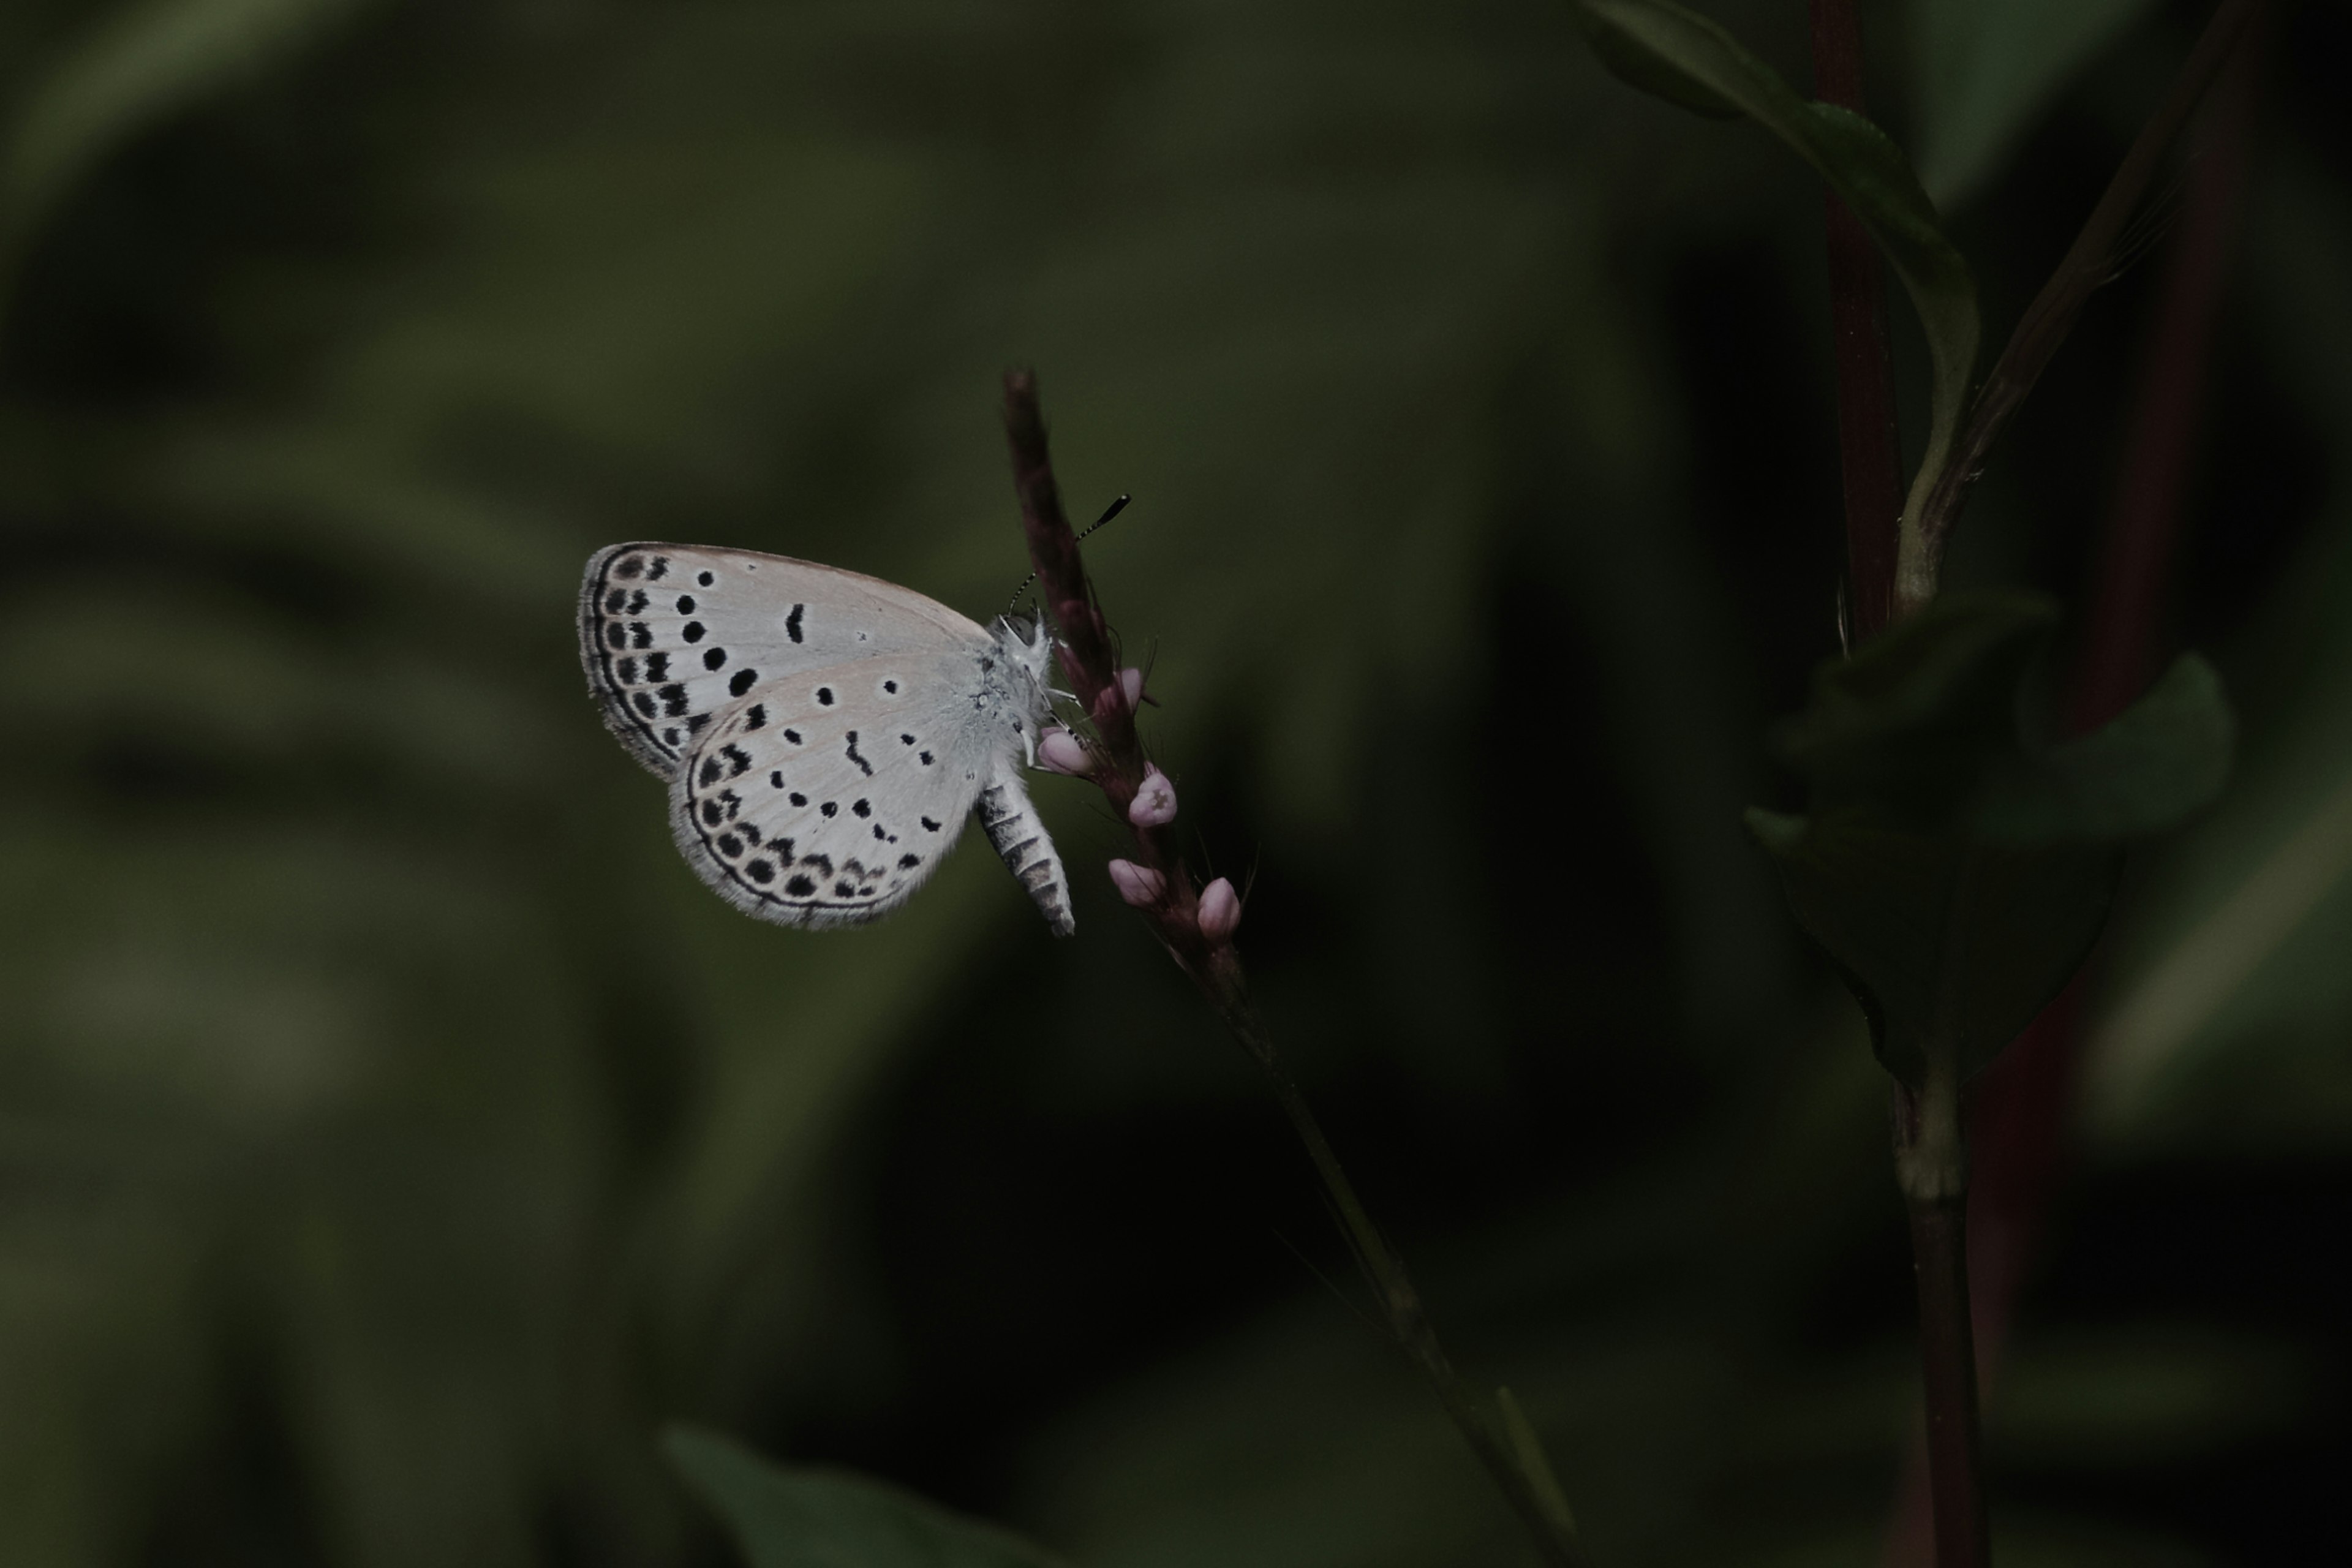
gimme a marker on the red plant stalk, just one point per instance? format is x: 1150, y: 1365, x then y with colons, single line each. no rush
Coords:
x: 1197, y: 934
x: 1869, y: 455
x: 2025, y: 1103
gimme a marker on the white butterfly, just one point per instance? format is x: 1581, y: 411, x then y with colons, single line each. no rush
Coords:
x: 823, y: 734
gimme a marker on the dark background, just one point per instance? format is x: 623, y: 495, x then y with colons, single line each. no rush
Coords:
x: 394, y: 1134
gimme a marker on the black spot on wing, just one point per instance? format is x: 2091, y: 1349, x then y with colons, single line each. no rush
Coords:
x: 742, y: 680
x: 712, y: 658
x: 865, y: 766
x: 793, y: 623
x: 799, y: 887
x: 695, y: 631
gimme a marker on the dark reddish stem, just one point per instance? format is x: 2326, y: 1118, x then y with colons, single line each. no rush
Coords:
x: 1948, y: 1366
x: 1090, y: 658
x: 2023, y: 1107
x: 1869, y: 455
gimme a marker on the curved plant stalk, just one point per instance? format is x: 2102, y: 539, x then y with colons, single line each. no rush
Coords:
x: 2089, y: 263
x: 1689, y: 59
x: 1196, y: 926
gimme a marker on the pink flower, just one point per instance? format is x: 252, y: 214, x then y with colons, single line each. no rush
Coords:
x: 1220, y: 911
x: 1155, y: 802
x: 1126, y: 694
x: 1063, y: 752
x: 1138, y: 884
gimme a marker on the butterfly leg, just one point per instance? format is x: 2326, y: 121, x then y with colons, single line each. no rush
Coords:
x: 1013, y: 826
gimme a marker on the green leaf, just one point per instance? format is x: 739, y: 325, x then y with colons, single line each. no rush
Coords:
x: 151, y: 61
x: 1918, y: 719
x: 1949, y: 945
x: 1956, y: 873
x: 796, y: 1518
x: 1987, y: 68
x: 2164, y: 758
x: 1687, y: 59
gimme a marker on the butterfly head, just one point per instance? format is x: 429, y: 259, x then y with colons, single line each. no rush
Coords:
x: 1026, y: 647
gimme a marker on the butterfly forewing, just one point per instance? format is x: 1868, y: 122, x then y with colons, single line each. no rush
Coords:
x: 674, y: 635
x: 828, y: 796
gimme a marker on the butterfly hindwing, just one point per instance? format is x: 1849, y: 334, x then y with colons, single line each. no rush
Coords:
x: 827, y: 797
x: 671, y: 634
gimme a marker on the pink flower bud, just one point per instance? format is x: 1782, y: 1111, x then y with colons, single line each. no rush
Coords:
x: 1130, y: 686
x: 1155, y: 803
x: 1138, y: 884
x: 1063, y: 752
x: 1220, y: 911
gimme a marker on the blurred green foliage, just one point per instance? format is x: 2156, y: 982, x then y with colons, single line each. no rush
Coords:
x: 394, y: 1136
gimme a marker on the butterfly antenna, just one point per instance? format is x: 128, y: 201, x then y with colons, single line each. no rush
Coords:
x: 1109, y: 512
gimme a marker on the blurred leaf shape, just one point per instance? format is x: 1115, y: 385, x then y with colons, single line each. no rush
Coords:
x: 792, y: 1517
x: 2227, y: 1021
x: 1680, y: 56
x: 149, y: 61
x: 2187, y: 985
x: 1986, y: 69
x: 1954, y: 871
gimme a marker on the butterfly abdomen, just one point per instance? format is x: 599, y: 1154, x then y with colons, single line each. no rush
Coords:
x: 1019, y: 836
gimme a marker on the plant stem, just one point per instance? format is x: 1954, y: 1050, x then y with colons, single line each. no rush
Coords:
x: 1532, y: 1497
x: 2088, y: 264
x: 1931, y: 1165
x: 2024, y: 1104
x: 1940, y: 1247
x: 1869, y: 456
x: 1088, y: 651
